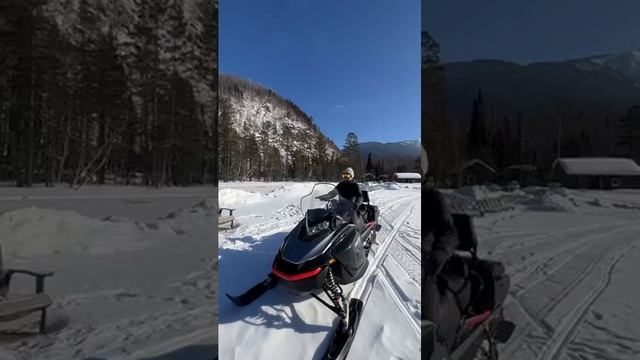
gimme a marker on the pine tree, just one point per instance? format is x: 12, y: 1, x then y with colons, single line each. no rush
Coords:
x: 518, y: 145
x: 497, y: 150
x: 508, y: 142
x: 438, y: 131
x: 476, y: 138
x: 369, y: 163
x: 629, y: 133
x: 351, y: 153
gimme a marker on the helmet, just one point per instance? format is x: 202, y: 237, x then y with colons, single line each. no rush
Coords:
x: 347, y: 174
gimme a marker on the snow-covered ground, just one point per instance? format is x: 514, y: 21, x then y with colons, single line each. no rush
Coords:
x: 135, y: 271
x: 573, y: 257
x: 280, y: 325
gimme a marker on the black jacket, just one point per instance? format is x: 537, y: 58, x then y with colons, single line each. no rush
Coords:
x: 439, y: 238
x: 350, y: 190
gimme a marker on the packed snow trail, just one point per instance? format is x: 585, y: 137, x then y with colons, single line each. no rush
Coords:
x: 289, y: 327
x: 135, y: 271
x: 573, y: 258
x: 393, y: 292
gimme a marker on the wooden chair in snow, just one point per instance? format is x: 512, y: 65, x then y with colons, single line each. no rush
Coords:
x: 14, y: 306
x: 225, y: 221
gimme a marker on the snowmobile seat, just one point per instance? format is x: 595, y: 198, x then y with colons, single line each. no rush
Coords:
x: 13, y: 306
x: 365, y: 196
x: 368, y: 212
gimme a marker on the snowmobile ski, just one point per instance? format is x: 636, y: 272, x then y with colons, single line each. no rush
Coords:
x: 255, y: 292
x: 343, y: 338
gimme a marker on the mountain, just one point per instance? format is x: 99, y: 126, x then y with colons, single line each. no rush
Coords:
x: 265, y: 136
x: 394, y: 150
x: 609, y: 81
x: 255, y: 110
x: 626, y: 65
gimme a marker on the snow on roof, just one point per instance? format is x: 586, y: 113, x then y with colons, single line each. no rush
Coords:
x: 523, y: 167
x: 598, y: 166
x: 407, y: 175
x: 480, y: 162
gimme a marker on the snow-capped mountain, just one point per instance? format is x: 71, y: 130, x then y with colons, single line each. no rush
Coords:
x: 603, y: 80
x: 401, y: 149
x: 625, y: 64
x: 253, y: 110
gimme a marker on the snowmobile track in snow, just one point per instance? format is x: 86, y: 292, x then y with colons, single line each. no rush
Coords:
x: 528, y: 242
x: 537, y: 319
x: 376, y: 271
x: 564, y: 332
x: 393, y: 291
x: 380, y: 252
x: 552, y: 264
x: 534, y: 263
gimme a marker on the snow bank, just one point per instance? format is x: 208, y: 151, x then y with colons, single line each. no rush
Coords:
x: 392, y: 186
x: 296, y: 190
x: 478, y: 192
x: 32, y: 232
x: 228, y: 197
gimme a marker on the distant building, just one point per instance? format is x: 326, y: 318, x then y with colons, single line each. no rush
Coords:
x: 596, y: 173
x: 477, y: 172
x: 407, y: 177
x: 369, y: 177
x: 524, y: 174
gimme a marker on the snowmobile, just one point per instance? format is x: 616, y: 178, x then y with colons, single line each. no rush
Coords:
x: 325, y: 250
x: 478, y: 289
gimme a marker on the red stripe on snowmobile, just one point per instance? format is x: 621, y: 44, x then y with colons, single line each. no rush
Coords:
x: 296, y: 277
x: 371, y: 223
x: 478, y: 319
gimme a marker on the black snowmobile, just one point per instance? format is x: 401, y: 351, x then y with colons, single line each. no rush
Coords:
x: 474, y: 291
x: 325, y: 250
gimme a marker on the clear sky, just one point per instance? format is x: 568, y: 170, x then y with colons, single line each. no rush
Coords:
x: 535, y: 30
x: 353, y: 65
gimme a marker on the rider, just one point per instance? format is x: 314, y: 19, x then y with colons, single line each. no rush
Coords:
x: 439, y: 242
x: 348, y: 189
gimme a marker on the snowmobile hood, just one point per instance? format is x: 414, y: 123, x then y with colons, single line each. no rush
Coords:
x: 298, y: 248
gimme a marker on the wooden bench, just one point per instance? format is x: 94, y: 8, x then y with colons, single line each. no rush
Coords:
x: 225, y: 221
x: 13, y: 307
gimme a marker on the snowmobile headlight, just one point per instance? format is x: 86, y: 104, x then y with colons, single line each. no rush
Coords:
x: 318, y: 227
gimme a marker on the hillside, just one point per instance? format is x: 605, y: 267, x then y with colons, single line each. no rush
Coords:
x: 605, y: 81
x: 267, y: 133
x: 393, y: 150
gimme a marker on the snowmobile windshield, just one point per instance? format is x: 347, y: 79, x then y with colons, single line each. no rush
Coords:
x: 336, y: 205
x: 311, y: 201
x: 320, y: 219
x: 319, y: 208
x: 341, y: 207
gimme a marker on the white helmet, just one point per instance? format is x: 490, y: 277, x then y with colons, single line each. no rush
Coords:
x: 348, y: 171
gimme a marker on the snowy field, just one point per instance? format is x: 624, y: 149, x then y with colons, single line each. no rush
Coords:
x: 135, y: 271
x: 574, y: 260
x: 280, y: 325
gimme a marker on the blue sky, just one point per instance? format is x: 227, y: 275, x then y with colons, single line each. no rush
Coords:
x: 527, y: 31
x: 353, y: 65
